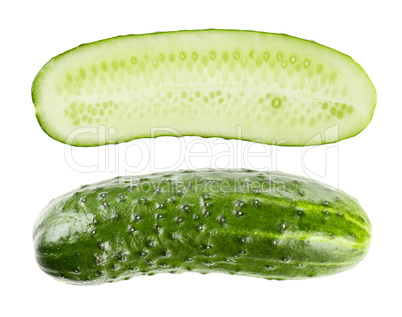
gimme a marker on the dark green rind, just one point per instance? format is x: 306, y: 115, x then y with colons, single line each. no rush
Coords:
x: 267, y: 225
x: 42, y: 123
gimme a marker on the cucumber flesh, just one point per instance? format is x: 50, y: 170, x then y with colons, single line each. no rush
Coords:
x: 267, y: 225
x: 262, y: 87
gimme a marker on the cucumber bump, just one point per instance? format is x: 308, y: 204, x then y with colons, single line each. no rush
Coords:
x: 279, y: 89
x: 260, y: 224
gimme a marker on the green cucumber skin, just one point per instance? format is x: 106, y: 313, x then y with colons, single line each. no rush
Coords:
x: 262, y: 224
x: 298, y: 121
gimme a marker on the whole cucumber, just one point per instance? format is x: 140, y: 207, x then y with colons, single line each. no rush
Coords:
x: 263, y: 224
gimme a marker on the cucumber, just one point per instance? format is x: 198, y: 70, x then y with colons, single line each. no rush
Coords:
x: 262, y: 87
x: 261, y: 224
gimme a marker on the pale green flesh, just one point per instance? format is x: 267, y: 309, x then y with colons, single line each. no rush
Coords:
x: 267, y: 88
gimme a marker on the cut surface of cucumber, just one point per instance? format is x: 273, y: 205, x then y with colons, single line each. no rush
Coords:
x: 262, y: 87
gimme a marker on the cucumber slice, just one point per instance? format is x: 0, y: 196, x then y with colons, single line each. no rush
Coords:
x: 262, y: 87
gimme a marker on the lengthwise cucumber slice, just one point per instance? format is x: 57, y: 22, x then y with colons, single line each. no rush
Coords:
x: 262, y: 87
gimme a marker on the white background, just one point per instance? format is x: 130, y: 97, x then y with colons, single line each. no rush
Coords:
x: 35, y: 168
